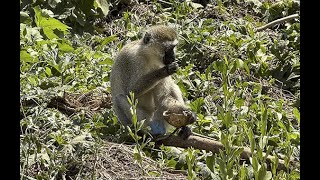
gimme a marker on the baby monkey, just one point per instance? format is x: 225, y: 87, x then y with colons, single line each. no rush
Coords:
x: 145, y: 67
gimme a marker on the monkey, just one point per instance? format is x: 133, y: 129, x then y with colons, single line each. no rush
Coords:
x: 144, y: 67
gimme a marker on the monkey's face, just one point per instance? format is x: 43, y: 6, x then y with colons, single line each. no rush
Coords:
x: 163, y: 40
x: 169, y: 51
x: 169, y: 56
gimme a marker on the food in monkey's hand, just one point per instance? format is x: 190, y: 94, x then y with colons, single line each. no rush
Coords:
x: 177, y: 119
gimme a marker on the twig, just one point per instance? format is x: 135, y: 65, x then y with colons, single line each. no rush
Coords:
x: 214, y: 146
x: 165, y: 2
x: 278, y: 21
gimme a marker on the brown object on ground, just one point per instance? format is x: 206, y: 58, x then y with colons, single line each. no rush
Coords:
x: 92, y: 101
x: 214, y: 146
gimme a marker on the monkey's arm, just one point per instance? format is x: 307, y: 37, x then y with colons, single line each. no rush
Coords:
x: 150, y: 80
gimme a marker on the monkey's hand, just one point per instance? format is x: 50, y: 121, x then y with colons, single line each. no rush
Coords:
x: 184, y: 132
x: 192, y: 117
x: 171, y: 68
x: 169, y: 56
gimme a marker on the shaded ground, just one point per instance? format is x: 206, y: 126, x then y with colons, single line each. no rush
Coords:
x: 115, y: 161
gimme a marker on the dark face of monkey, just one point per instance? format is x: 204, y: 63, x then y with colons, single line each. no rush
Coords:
x: 169, y: 56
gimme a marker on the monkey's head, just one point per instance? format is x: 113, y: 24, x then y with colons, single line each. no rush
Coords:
x: 164, y: 39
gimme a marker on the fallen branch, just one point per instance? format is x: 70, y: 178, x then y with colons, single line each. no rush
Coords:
x: 278, y: 21
x: 213, y: 146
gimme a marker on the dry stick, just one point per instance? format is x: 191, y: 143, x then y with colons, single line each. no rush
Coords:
x: 278, y: 21
x: 213, y: 146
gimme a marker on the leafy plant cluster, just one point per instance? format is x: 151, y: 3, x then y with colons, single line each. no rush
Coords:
x: 244, y: 85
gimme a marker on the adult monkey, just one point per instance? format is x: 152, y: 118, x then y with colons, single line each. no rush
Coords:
x: 144, y: 67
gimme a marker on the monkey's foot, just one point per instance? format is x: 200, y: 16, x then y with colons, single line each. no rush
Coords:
x: 184, y: 132
x: 157, y: 128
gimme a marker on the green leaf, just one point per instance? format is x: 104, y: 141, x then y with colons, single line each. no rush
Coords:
x: 281, y: 125
x: 49, y: 33
x: 107, y: 61
x: 250, y: 30
x: 255, y: 164
x: 233, y: 129
x: 197, y: 104
x: 103, y: 5
x: 26, y: 57
x: 99, y: 125
x: 268, y: 176
x: 269, y: 149
x: 137, y: 156
x: 227, y: 120
x: 171, y: 163
x: 264, y: 122
x: 59, y: 139
x: 245, y: 65
x: 210, y: 162
x: 296, y: 114
x: 130, y: 131
x: 262, y: 172
x: 108, y: 39
x: 195, y: 5
x: 279, y: 116
x: 49, y: 24
x: 25, y: 18
x: 243, y: 172
x: 38, y: 16
x: 251, y: 139
x: 239, y: 102
x: 263, y: 141
x: 238, y: 152
x: 239, y: 63
x: 32, y: 80
x: 65, y: 47
x: 218, y: 66
x: 48, y: 71
x: 154, y: 173
x: 55, y: 69
x: 222, y: 166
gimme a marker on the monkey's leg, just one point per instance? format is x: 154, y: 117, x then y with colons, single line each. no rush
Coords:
x: 158, y: 125
x: 122, y: 110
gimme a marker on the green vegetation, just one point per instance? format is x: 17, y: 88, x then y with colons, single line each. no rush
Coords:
x: 244, y: 86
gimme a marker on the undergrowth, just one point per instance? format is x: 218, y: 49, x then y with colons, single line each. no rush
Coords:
x: 244, y: 85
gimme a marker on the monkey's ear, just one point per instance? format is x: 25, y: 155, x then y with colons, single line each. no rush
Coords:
x: 146, y: 38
